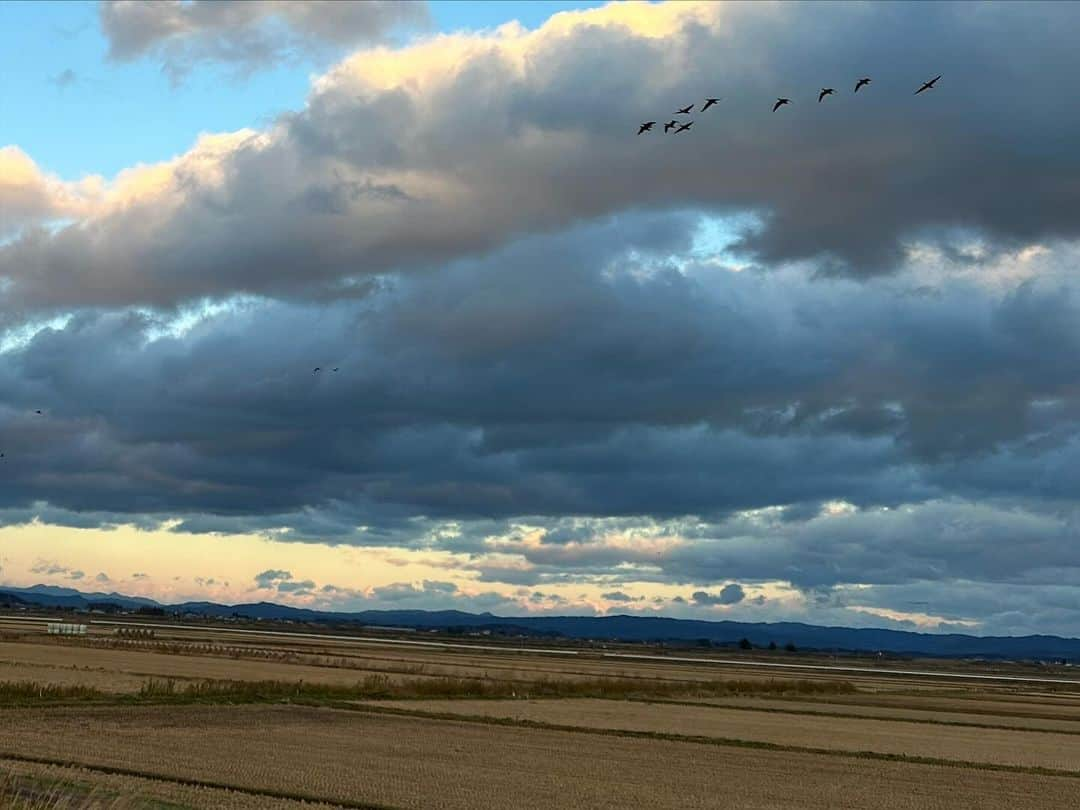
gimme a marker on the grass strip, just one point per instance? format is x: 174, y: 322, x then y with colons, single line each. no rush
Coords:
x: 269, y: 793
x: 382, y: 687
x: 374, y: 687
x: 728, y: 742
x: 35, y: 792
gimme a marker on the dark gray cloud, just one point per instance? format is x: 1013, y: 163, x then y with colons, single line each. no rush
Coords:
x: 51, y: 568
x: 619, y: 596
x: 270, y: 577
x: 248, y: 35
x: 729, y: 595
x: 298, y: 588
x: 694, y: 392
x: 451, y: 403
x: 280, y: 580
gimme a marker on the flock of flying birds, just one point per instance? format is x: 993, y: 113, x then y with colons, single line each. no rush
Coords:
x: 674, y: 123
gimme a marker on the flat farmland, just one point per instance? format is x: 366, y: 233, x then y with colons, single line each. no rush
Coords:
x: 125, y: 669
x: 198, y: 652
x: 405, y: 762
x: 202, y: 717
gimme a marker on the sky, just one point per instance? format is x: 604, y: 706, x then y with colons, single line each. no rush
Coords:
x: 819, y: 364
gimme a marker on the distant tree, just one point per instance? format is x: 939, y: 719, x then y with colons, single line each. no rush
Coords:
x: 703, y: 642
x: 772, y: 645
x: 790, y: 647
x: 149, y: 610
x: 744, y: 644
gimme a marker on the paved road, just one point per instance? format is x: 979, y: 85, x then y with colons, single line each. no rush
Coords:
x: 451, y: 645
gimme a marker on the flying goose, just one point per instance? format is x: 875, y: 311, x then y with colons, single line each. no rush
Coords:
x: 928, y: 85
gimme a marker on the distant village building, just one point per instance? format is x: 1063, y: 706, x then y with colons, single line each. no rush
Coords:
x: 64, y: 629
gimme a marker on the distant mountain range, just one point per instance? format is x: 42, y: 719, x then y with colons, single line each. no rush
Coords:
x: 613, y: 628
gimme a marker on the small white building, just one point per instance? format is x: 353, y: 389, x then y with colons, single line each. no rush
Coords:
x: 65, y: 629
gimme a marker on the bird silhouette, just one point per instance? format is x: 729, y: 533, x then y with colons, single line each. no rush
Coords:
x: 861, y: 83
x: 825, y: 91
x: 670, y: 125
x: 780, y: 102
x: 710, y: 102
x: 928, y: 85
x: 648, y: 125
x: 317, y: 370
x: 684, y: 110
x: 39, y: 413
x: 684, y: 127
x: 334, y: 369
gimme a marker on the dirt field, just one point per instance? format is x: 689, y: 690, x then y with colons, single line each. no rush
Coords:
x: 1044, y: 719
x: 419, y: 763
x: 902, y: 742
x: 992, y: 746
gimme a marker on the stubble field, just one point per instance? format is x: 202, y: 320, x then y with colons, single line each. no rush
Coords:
x: 201, y: 718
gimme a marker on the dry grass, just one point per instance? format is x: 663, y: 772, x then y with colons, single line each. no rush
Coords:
x: 383, y: 687
x: 406, y: 762
x: 20, y: 692
x: 21, y: 793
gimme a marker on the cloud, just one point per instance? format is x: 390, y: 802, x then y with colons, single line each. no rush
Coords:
x: 270, y: 577
x: 299, y: 588
x: 699, y: 391
x: 102, y: 578
x: 405, y: 158
x: 247, y: 35
x: 729, y: 595
x: 619, y: 596
x: 29, y: 196
x: 400, y: 591
x: 52, y: 568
